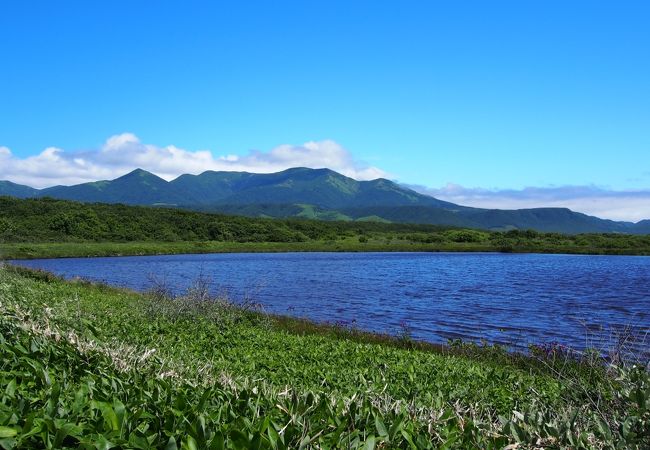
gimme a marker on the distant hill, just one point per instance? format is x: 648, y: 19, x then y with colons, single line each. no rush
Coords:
x: 135, y: 188
x: 17, y: 190
x: 316, y: 194
x: 642, y: 227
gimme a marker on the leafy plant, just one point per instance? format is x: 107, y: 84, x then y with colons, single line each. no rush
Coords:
x: 89, y: 366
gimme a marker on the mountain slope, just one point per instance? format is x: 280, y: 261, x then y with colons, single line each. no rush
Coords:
x: 543, y: 219
x: 135, y: 188
x: 17, y: 190
x: 323, y: 188
x: 210, y: 187
x: 642, y: 227
x: 316, y: 193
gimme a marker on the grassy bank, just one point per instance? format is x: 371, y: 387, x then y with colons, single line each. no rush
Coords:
x: 31, y: 250
x: 84, y: 249
x: 86, y: 364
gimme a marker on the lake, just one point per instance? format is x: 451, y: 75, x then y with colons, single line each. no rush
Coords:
x: 512, y: 299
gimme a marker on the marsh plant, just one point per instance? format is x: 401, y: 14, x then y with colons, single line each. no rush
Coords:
x: 88, y: 366
x: 199, y: 303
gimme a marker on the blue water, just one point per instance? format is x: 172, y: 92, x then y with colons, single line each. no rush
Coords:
x: 512, y: 299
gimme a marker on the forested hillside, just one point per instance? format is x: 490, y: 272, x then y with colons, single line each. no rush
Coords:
x: 316, y: 194
x: 169, y: 230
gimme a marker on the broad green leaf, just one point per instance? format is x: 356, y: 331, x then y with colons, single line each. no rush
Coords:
x: 7, y: 432
x: 171, y: 444
x: 379, y: 425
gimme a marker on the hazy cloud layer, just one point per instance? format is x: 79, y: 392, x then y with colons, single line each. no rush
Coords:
x: 607, y: 204
x: 124, y: 152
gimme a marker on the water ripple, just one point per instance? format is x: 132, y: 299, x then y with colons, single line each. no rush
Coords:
x: 504, y: 298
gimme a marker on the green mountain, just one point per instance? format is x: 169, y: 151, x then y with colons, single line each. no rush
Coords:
x: 642, y: 227
x: 17, y: 190
x: 135, y: 188
x: 323, y: 188
x: 316, y: 194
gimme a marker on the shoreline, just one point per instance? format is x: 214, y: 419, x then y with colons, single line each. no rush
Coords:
x: 401, y: 338
x: 53, y: 250
x: 302, y: 326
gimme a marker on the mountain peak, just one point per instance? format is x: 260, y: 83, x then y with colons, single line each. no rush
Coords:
x: 308, y: 170
x: 137, y: 173
x: 141, y: 175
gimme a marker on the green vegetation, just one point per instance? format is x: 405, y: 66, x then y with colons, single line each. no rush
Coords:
x: 317, y: 194
x: 55, y: 228
x: 89, y: 366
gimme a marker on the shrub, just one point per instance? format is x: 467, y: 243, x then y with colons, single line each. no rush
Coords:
x: 467, y: 236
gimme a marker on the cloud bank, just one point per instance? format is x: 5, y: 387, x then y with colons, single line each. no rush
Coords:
x: 632, y: 205
x: 124, y: 152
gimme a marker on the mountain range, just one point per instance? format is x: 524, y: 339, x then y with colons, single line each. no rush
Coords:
x: 316, y: 194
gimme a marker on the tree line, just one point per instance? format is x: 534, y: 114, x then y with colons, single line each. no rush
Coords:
x: 51, y: 220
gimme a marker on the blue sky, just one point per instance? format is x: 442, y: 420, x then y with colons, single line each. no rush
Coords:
x: 493, y: 97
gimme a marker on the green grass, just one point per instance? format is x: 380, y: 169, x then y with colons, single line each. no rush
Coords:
x: 85, y: 365
x: 30, y: 250
x: 83, y: 249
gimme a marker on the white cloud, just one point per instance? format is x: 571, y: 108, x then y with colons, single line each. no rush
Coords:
x: 595, y: 201
x: 125, y: 152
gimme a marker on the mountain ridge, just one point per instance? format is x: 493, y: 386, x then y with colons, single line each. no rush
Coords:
x: 317, y: 194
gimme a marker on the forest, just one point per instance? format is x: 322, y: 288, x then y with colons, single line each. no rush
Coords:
x: 59, y: 222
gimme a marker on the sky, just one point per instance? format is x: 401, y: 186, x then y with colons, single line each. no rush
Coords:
x: 506, y: 104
